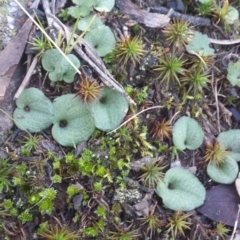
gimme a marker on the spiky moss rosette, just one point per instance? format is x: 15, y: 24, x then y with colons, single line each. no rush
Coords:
x: 230, y: 140
x: 72, y: 121
x: 101, y: 39
x: 109, y: 109
x: 226, y: 173
x: 187, y: 133
x: 58, y: 67
x: 34, y: 111
x: 180, y: 189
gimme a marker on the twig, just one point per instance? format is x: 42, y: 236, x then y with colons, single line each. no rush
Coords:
x: 224, y: 42
x: 53, y: 6
x: 46, y: 8
x: 26, y: 78
x: 236, y: 223
x: 194, y: 20
x: 215, y: 93
x: 134, y: 117
x: 171, y: 120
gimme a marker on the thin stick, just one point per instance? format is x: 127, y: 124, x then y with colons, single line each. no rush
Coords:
x: 46, y: 35
x: 134, y: 117
x: 27, y: 78
x: 196, y: 54
x: 174, y: 117
x: 236, y: 223
x: 214, y: 88
x: 200, y: 21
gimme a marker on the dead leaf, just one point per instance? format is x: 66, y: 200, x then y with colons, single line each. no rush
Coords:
x: 152, y: 20
x: 221, y: 204
x: 11, y: 55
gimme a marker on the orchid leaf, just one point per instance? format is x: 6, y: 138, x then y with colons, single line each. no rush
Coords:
x: 180, y: 189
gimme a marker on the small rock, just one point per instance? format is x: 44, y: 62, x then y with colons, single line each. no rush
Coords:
x: 77, y: 201
x: 176, y: 5
x: 49, y: 145
x: 2, y: 154
x: 235, y: 113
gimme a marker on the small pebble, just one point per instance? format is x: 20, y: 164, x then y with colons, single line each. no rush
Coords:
x: 77, y: 201
x: 176, y: 5
x: 235, y: 113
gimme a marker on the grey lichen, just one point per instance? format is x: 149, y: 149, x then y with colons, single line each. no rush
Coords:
x: 11, y: 18
x: 123, y: 195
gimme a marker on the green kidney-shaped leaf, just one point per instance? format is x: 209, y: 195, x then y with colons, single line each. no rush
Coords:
x: 234, y: 73
x: 204, y: 1
x: 58, y: 67
x: 225, y: 173
x: 101, y: 39
x: 187, y: 133
x: 109, y: 110
x: 76, y: 11
x: 230, y: 140
x: 84, y: 2
x: 73, y: 122
x: 34, y: 111
x: 83, y: 9
x: 200, y: 44
x: 180, y: 189
x: 104, y: 5
x: 83, y: 23
x: 231, y: 16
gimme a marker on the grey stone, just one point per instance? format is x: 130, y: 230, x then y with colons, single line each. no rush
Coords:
x: 77, y: 201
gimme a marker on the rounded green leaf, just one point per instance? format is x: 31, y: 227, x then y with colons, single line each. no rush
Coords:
x: 203, y: 1
x: 58, y: 67
x: 109, y: 110
x: 101, y: 39
x: 200, y: 44
x: 73, y: 122
x: 83, y: 8
x: 76, y: 11
x: 104, y: 5
x: 234, y: 73
x: 34, y: 111
x: 83, y: 23
x: 231, y: 16
x: 230, y: 140
x: 226, y: 173
x: 187, y: 133
x: 180, y: 189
